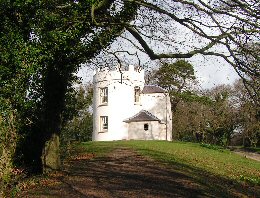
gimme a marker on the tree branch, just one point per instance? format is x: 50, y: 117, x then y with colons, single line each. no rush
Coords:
x: 154, y: 56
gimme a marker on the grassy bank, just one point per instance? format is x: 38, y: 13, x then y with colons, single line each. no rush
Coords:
x: 191, y: 157
x: 172, y: 169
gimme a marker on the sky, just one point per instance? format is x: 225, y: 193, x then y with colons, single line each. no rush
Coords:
x: 210, y: 71
x: 213, y: 71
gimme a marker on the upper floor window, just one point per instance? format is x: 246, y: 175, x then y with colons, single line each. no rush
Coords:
x: 137, y: 94
x: 103, y: 123
x: 103, y: 95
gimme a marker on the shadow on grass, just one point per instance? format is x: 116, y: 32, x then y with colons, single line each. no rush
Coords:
x: 213, y: 184
x: 125, y: 173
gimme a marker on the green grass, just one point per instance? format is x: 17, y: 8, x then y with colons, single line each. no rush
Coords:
x: 188, y: 156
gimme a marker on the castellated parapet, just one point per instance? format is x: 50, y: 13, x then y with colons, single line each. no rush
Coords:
x: 131, y: 76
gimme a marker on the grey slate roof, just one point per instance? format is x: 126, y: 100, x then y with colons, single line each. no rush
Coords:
x: 152, y: 89
x: 143, y: 115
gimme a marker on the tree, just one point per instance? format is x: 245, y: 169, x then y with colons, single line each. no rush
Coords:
x: 58, y: 27
x: 249, y: 58
x: 210, y: 116
x: 77, y: 121
x: 65, y: 33
x: 18, y: 61
x: 249, y: 124
x: 192, y: 118
x: 176, y: 78
x: 223, y: 116
x: 220, y: 28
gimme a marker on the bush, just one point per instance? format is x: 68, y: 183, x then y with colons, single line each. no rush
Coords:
x: 211, y: 146
x: 78, y: 129
x: 8, y: 140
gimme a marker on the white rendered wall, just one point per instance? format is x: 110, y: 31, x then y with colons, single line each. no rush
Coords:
x: 120, y: 104
x: 156, y: 131
x: 159, y: 105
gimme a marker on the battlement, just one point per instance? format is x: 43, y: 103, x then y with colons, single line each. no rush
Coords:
x: 132, y: 73
x: 119, y: 68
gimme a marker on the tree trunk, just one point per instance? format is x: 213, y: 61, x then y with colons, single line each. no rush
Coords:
x: 39, y: 150
x: 51, y: 154
x: 54, y: 98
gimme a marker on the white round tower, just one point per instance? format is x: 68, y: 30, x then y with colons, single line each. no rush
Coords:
x: 115, y: 99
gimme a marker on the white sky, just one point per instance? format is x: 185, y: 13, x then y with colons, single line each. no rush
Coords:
x: 213, y: 71
x: 210, y: 71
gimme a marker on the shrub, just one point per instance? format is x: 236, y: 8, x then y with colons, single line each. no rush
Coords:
x: 9, y: 126
x: 8, y: 140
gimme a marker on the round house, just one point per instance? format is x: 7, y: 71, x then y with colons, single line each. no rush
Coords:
x: 125, y: 108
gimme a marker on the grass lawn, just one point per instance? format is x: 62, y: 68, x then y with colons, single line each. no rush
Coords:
x: 189, y: 157
x: 148, y: 168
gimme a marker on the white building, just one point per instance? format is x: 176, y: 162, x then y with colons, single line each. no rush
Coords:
x: 124, y: 108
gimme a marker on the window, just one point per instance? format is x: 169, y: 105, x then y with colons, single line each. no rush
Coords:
x: 103, y: 123
x: 103, y: 95
x: 137, y: 94
x: 146, y: 127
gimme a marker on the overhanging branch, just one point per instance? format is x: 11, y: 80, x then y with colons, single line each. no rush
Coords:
x: 154, y: 56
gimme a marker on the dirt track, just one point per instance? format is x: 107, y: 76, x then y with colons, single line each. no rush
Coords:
x: 124, y: 173
x: 250, y: 155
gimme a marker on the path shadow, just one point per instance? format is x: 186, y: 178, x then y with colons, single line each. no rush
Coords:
x: 125, y: 173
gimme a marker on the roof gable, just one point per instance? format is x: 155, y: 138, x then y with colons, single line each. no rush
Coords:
x: 143, y: 115
x: 152, y: 89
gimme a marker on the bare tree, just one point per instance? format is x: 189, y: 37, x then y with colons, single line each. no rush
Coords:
x: 183, y: 29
